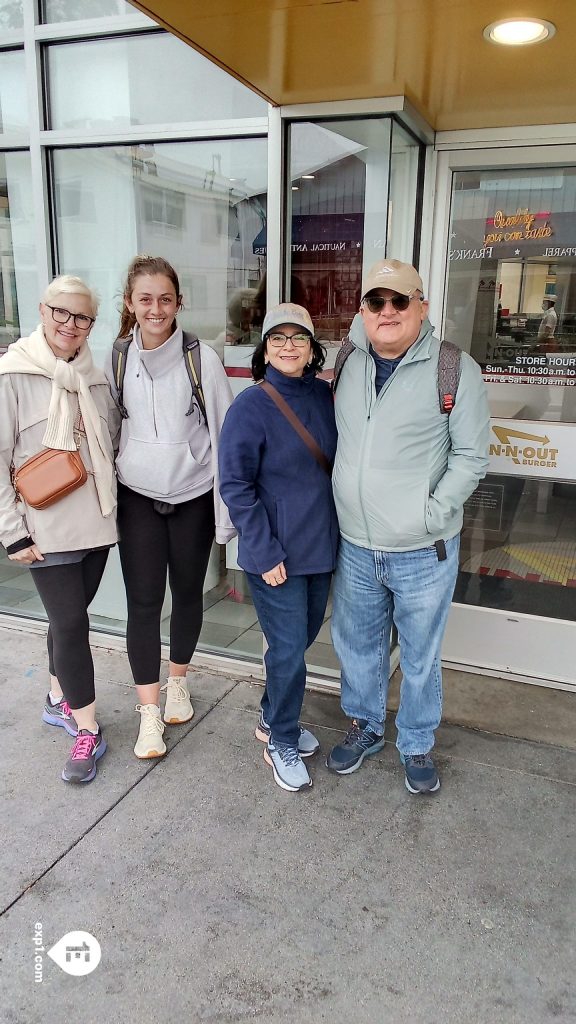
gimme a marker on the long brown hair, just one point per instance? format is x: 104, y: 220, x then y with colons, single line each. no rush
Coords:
x: 143, y: 265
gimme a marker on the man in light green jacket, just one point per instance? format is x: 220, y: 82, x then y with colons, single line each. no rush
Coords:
x: 404, y: 468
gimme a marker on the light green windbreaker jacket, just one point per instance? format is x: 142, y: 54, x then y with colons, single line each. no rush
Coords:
x: 403, y: 469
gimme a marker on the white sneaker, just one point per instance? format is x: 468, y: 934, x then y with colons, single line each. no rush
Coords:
x: 178, y: 706
x: 150, y: 742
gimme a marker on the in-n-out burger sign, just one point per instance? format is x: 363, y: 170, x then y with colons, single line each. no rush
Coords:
x: 516, y: 227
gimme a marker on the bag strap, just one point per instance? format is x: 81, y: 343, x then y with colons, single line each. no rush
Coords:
x: 119, y: 352
x: 191, y: 352
x: 191, y: 349
x: 449, y: 366
x: 299, y: 427
x: 344, y: 351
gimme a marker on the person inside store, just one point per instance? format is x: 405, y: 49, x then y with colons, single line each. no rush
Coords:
x: 276, y: 452
x: 173, y: 393
x: 58, y: 496
x: 547, y: 328
x: 405, y: 465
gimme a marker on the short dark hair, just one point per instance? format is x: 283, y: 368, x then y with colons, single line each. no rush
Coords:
x: 259, y: 364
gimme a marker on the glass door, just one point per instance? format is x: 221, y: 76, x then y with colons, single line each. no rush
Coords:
x: 510, y: 302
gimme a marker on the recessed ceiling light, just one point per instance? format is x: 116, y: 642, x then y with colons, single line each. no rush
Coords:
x: 519, y: 31
x: 309, y: 177
x: 295, y: 188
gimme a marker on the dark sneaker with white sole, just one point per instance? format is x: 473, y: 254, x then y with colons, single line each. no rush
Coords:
x: 307, y: 742
x: 359, y: 742
x: 421, y: 774
x: 290, y: 772
x: 81, y: 765
x: 61, y: 715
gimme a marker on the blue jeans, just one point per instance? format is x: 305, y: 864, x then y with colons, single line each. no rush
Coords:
x: 373, y: 589
x: 290, y: 616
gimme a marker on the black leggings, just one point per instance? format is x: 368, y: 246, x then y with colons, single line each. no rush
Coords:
x: 66, y: 591
x: 150, y: 544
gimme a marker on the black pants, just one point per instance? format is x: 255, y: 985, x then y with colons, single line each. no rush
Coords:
x: 66, y: 591
x: 150, y: 545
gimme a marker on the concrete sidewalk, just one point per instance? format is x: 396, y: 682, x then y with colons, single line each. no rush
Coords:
x: 217, y: 897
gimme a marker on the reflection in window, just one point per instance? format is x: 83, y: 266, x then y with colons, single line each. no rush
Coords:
x: 512, y: 261
x: 13, y: 105
x: 161, y: 207
x: 353, y: 201
x: 114, y: 85
x: 201, y: 205
x: 79, y: 10
x: 404, y: 169
x: 18, y: 284
x: 11, y: 14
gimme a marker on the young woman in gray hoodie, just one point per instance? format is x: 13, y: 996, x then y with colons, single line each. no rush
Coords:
x: 169, y: 507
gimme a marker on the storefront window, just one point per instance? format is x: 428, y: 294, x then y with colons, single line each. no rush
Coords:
x: 80, y: 10
x: 18, y: 284
x: 13, y: 106
x: 11, y: 14
x: 511, y: 303
x: 352, y: 201
x: 146, y: 79
x: 200, y: 205
x: 405, y: 161
x: 338, y: 215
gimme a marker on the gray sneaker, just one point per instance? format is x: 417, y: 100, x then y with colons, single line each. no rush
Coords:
x: 81, y: 765
x: 307, y: 742
x: 290, y: 772
x: 421, y: 774
x: 60, y: 714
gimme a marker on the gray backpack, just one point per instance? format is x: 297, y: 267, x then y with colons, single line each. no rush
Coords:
x: 448, y: 372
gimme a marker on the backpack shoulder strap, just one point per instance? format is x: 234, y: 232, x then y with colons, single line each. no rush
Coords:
x: 191, y: 350
x: 449, y: 365
x: 119, y: 354
x: 344, y: 351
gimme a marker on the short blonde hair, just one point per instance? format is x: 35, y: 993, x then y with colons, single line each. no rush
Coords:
x: 66, y: 284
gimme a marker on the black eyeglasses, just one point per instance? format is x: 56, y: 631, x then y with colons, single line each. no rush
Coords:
x: 62, y: 316
x: 278, y: 340
x: 376, y: 303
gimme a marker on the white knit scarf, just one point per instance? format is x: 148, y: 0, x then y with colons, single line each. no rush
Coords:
x: 34, y: 355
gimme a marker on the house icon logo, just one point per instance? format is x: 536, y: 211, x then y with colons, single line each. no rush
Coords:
x: 76, y: 953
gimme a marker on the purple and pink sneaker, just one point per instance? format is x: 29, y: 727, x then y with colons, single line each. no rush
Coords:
x: 60, y: 714
x: 81, y: 765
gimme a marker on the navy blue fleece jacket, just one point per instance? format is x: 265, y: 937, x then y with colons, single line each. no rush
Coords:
x: 279, y: 498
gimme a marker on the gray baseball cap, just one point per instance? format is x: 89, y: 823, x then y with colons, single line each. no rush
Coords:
x: 287, y: 313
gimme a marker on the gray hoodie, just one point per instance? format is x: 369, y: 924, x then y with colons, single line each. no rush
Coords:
x: 165, y: 454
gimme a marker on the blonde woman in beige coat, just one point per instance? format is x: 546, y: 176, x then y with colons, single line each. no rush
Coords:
x: 53, y: 396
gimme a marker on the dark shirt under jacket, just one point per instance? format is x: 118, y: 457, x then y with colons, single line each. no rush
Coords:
x: 384, y: 368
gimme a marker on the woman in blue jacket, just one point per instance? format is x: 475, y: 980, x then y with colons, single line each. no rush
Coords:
x: 280, y: 501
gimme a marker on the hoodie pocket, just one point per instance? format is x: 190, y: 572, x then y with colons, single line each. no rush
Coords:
x: 396, y: 512
x: 159, y: 469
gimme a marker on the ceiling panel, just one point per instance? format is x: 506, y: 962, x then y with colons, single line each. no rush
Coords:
x: 431, y: 51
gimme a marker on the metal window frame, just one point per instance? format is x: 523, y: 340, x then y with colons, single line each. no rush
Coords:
x: 397, y: 108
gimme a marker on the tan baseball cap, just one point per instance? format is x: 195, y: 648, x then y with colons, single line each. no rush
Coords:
x: 398, y: 277
x: 287, y: 313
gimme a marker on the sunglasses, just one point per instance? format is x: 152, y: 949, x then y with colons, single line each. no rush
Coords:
x: 376, y: 303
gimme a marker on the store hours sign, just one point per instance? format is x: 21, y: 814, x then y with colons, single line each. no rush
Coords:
x: 555, y: 368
